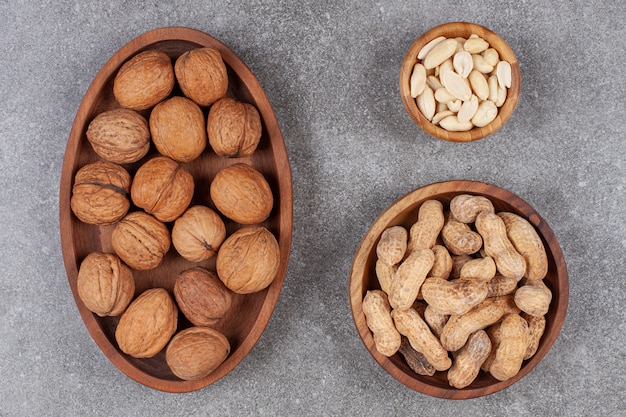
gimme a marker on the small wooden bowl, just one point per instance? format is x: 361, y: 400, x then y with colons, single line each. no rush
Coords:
x: 250, y: 313
x: 404, y: 212
x: 453, y: 30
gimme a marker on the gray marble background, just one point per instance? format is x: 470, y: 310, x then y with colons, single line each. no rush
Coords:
x: 330, y: 70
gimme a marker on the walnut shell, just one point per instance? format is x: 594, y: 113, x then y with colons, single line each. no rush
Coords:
x: 202, y: 75
x: 120, y: 135
x: 105, y: 285
x: 140, y: 240
x: 100, y: 193
x: 144, y: 80
x: 196, y: 352
x: 198, y: 234
x: 248, y: 260
x: 234, y: 128
x: 242, y: 194
x: 148, y: 324
x: 201, y: 296
x: 177, y: 128
x: 163, y: 188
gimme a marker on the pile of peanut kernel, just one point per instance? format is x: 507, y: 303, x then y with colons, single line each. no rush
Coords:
x: 460, y: 83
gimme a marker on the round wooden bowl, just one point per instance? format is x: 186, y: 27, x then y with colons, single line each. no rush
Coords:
x: 404, y: 212
x: 250, y: 313
x: 453, y: 30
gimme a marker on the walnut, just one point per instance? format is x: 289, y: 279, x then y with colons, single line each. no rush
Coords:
x: 100, y: 193
x: 196, y: 352
x: 234, y: 128
x: 198, y: 233
x: 248, y: 260
x: 202, y: 75
x: 148, y: 324
x: 120, y: 135
x: 105, y: 285
x: 140, y: 240
x: 163, y: 188
x: 242, y: 194
x: 144, y: 80
x: 178, y: 129
x: 201, y: 296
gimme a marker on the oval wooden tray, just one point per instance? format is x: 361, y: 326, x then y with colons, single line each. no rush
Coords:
x: 404, y: 212
x: 250, y: 313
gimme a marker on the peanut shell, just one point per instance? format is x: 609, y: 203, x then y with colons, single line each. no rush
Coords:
x: 410, y: 324
x: 377, y: 313
x: 490, y: 311
x: 510, y: 353
x: 527, y: 242
x: 453, y: 297
x: 497, y: 245
x: 536, y: 327
x: 533, y: 297
x: 416, y: 360
x: 468, y: 359
x: 392, y: 245
x: 409, y: 278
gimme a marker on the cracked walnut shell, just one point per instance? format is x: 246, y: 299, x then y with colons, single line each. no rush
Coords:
x: 120, y: 135
x: 100, y: 193
x: 140, y: 240
x: 105, y: 285
x: 196, y: 352
x: 178, y: 129
x: 201, y: 296
x: 248, y: 260
x: 198, y: 234
x: 242, y: 194
x: 144, y: 80
x: 234, y: 128
x: 148, y: 324
x: 202, y: 75
x: 163, y: 188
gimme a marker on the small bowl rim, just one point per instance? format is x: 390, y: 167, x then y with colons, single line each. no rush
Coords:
x: 395, y: 365
x: 454, y: 29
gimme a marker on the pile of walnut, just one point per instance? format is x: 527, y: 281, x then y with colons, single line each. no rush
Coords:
x: 460, y: 299
x: 161, y: 192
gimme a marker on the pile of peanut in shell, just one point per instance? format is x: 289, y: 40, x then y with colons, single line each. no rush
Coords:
x: 459, y: 83
x: 150, y: 209
x: 461, y: 291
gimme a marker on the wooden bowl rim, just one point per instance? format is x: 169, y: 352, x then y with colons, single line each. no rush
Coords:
x: 454, y: 29
x: 284, y: 183
x: 412, y: 200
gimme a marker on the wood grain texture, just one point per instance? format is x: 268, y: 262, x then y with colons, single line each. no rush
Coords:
x: 404, y: 212
x: 250, y: 313
x: 452, y: 30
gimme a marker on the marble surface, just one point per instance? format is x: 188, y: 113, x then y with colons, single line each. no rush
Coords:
x: 330, y: 70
